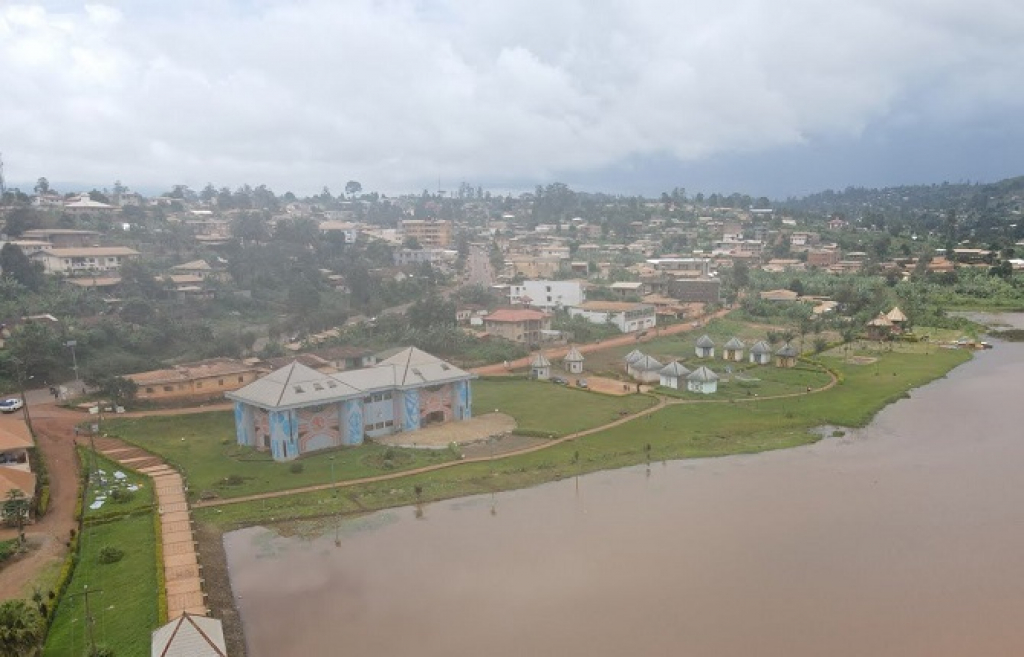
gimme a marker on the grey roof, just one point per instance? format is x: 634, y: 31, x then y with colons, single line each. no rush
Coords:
x: 702, y: 374
x: 705, y: 342
x: 189, y: 636
x: 675, y: 368
x: 735, y: 343
x: 634, y: 355
x: 647, y: 364
x: 574, y: 356
x: 296, y: 385
x: 761, y: 347
x: 540, y: 360
x: 787, y: 351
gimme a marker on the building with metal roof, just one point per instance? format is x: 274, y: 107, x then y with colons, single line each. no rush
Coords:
x: 189, y: 636
x: 761, y: 353
x: 705, y: 347
x: 672, y: 374
x: 702, y: 380
x: 573, y: 361
x: 733, y: 349
x: 296, y: 409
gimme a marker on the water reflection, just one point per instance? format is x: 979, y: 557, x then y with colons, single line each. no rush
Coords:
x: 905, y: 538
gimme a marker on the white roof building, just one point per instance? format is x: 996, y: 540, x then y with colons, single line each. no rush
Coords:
x: 189, y: 636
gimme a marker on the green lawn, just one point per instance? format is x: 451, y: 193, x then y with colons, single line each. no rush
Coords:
x: 203, y: 444
x: 748, y: 381
x: 679, y: 431
x: 126, y: 610
x: 541, y: 407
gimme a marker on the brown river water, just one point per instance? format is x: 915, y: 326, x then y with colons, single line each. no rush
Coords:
x: 905, y: 538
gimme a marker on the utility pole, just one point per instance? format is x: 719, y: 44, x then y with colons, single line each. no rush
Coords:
x: 20, y: 374
x: 88, y: 615
x: 71, y: 344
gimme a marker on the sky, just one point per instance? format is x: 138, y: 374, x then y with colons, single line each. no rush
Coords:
x: 775, y: 98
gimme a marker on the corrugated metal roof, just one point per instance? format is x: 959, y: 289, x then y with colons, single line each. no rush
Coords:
x: 189, y: 636
x: 703, y: 375
x: 705, y: 342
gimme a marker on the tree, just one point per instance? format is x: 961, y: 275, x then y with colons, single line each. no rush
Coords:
x: 430, y: 312
x: 16, y: 511
x: 19, y: 220
x: 21, y: 629
x: 42, y: 186
x: 352, y: 188
x: 119, y: 390
x: 15, y: 264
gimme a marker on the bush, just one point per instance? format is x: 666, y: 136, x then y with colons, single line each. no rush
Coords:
x: 296, y: 468
x: 111, y: 554
x: 122, y: 496
x: 233, y: 480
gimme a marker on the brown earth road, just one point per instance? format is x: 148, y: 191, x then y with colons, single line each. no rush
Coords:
x: 611, y: 343
x: 54, y: 430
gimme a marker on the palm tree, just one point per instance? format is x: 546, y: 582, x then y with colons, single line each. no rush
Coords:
x: 21, y: 629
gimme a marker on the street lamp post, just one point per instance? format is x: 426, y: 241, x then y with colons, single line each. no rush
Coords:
x: 71, y: 344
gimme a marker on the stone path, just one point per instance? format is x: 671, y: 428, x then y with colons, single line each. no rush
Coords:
x: 182, y: 572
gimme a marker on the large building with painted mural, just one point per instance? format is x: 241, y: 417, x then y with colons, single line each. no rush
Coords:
x: 297, y: 410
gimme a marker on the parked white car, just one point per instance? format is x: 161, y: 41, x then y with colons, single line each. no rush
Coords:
x: 11, y: 405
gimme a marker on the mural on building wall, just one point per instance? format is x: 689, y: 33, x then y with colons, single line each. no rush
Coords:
x: 261, y: 428
x: 353, y: 422
x: 411, y: 407
x: 319, y: 428
x: 436, y: 404
x: 282, y: 441
x: 243, y: 424
x: 464, y: 400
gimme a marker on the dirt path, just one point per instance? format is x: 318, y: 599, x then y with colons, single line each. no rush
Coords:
x: 55, y: 437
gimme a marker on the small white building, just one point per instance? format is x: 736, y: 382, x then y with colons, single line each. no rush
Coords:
x: 733, y: 350
x: 573, y: 361
x: 761, y: 353
x: 540, y: 367
x: 672, y: 374
x: 548, y: 294
x: 647, y: 370
x: 631, y: 358
x: 702, y: 380
x: 189, y: 636
x: 627, y: 317
x: 705, y: 347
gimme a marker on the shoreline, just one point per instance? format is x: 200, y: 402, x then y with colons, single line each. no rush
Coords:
x: 482, y: 477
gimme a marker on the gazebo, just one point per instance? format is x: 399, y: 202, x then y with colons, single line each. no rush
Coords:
x: 880, y: 328
x: 733, y: 349
x: 702, y: 380
x: 573, y: 361
x: 705, y: 347
x: 786, y: 356
x: 672, y: 374
x: 761, y: 353
x: 540, y: 367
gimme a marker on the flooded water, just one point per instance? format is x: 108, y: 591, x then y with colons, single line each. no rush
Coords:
x: 906, y: 538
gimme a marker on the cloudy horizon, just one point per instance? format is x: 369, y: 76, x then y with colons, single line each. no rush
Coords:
x: 404, y: 95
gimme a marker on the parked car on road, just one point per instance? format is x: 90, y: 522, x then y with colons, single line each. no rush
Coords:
x: 560, y: 380
x: 10, y: 405
x: 581, y: 383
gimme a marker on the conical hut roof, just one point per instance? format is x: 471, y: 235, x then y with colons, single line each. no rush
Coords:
x: 675, y: 368
x: 735, y: 343
x: 705, y: 342
x: 574, y: 356
x: 896, y: 315
x: 647, y: 364
x: 881, y: 320
x: 761, y: 347
x: 540, y: 360
x: 634, y: 356
x: 703, y: 375
x: 787, y: 351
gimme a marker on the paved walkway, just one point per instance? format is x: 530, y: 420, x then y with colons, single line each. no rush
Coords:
x: 182, y: 572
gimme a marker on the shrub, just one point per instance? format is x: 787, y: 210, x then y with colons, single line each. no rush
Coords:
x: 122, y: 496
x: 111, y: 554
x: 296, y: 468
x: 233, y: 480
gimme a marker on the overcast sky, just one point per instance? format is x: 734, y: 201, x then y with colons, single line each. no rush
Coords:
x: 764, y: 97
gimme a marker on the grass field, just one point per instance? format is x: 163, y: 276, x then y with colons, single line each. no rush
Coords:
x: 125, y: 608
x: 678, y: 431
x: 203, y: 444
x: 540, y: 407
